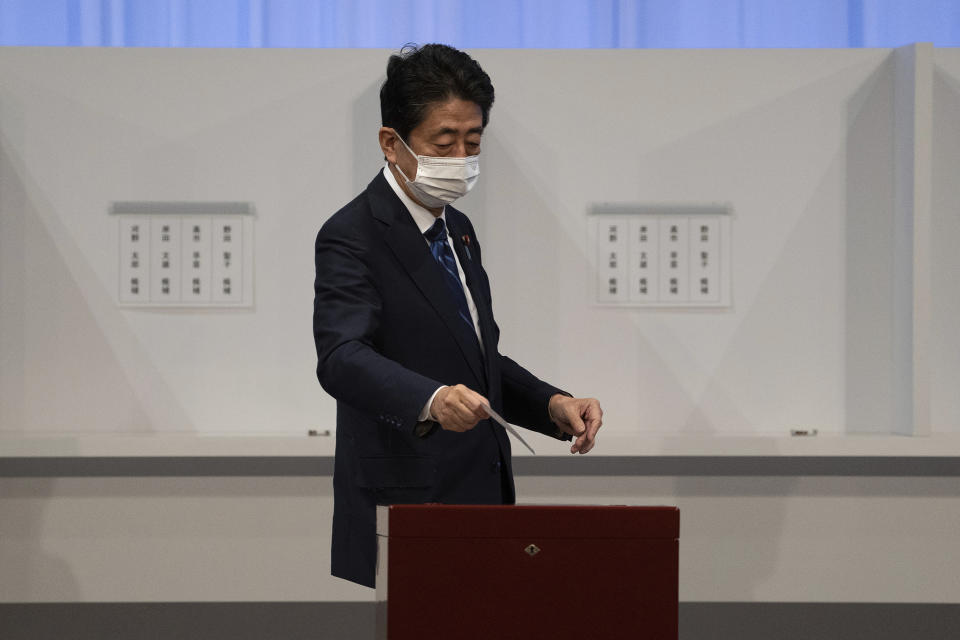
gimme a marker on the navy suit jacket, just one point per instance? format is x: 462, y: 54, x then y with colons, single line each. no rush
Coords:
x: 388, y: 334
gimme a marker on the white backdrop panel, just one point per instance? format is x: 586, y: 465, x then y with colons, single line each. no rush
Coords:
x: 773, y: 134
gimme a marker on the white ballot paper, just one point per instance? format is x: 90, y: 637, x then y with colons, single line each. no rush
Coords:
x: 506, y: 425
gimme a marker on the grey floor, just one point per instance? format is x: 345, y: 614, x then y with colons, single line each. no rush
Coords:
x: 355, y: 621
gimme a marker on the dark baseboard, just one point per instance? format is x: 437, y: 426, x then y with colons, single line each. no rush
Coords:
x: 355, y: 621
x: 187, y: 621
x: 227, y: 466
x: 818, y: 621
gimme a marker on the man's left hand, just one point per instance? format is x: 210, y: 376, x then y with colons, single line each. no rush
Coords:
x: 580, y: 417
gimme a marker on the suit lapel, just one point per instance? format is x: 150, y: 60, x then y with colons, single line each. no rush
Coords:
x: 469, y: 261
x: 469, y: 266
x: 408, y: 245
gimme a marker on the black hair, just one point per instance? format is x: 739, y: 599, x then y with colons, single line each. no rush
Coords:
x: 419, y: 77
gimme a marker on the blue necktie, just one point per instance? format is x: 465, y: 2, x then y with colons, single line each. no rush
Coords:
x: 443, y: 254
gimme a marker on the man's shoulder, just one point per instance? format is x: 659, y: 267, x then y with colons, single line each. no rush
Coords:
x: 359, y: 212
x: 349, y: 214
x: 458, y: 219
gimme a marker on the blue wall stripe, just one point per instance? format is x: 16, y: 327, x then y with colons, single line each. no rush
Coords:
x: 854, y: 23
x: 472, y: 24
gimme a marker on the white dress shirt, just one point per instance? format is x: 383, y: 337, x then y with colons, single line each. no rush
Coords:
x: 424, y: 220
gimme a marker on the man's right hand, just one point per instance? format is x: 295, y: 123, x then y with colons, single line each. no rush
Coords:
x: 458, y: 408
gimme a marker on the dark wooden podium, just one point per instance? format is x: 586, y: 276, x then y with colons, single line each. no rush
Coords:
x: 532, y: 572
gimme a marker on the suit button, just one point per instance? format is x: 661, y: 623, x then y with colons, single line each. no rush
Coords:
x: 495, y: 466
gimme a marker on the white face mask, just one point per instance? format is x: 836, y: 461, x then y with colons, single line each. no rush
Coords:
x: 440, y: 181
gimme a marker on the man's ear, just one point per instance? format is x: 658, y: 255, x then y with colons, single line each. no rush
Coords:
x: 388, y: 142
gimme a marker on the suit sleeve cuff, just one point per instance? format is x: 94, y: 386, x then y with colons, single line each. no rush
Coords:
x: 557, y: 433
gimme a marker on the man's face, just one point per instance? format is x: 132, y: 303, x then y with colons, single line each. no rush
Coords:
x: 451, y: 129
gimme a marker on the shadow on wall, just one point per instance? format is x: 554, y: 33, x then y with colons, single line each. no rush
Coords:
x: 27, y: 569
x: 367, y: 157
x: 532, y: 261
x: 945, y: 352
x: 70, y: 361
x: 869, y: 316
x: 172, y: 539
x: 777, y: 359
x: 740, y: 556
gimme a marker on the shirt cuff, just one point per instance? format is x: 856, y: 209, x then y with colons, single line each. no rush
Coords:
x: 425, y: 412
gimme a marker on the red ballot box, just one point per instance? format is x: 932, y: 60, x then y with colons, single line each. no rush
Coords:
x: 535, y: 572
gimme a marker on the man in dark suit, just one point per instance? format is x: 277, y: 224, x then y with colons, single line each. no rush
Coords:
x: 403, y: 321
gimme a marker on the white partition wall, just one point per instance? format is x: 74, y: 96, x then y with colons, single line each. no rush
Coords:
x: 799, y: 146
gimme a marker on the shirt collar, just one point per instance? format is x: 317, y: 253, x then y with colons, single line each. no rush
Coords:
x: 421, y: 216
